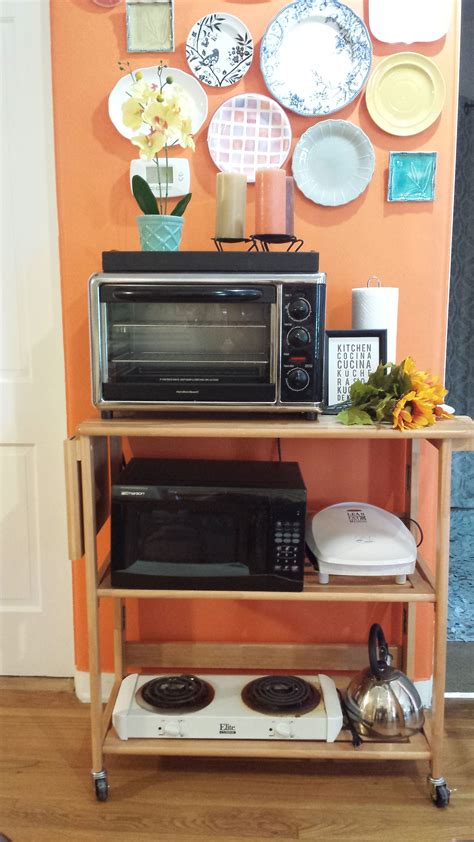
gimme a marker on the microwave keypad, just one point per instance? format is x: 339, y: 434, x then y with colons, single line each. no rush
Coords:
x: 287, y: 540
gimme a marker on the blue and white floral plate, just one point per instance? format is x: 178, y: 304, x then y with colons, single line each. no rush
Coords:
x: 333, y: 162
x: 219, y: 49
x: 316, y: 56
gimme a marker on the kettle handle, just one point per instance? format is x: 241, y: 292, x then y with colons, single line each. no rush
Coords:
x: 378, y: 665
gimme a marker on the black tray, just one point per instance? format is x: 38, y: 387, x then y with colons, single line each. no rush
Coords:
x: 306, y: 262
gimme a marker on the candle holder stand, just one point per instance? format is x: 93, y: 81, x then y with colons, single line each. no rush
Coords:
x: 219, y: 242
x: 264, y: 241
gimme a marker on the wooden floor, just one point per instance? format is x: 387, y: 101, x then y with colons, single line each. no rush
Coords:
x: 46, y: 793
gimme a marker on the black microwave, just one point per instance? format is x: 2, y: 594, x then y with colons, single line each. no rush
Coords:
x: 208, y: 525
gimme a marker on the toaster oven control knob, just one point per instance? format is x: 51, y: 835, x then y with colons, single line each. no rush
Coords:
x: 172, y: 729
x: 297, y: 379
x: 299, y: 309
x: 284, y: 729
x: 298, y: 337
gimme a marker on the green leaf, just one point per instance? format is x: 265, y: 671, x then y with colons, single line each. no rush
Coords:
x: 182, y: 205
x: 384, y: 410
x: 354, y: 415
x: 362, y: 392
x: 145, y: 198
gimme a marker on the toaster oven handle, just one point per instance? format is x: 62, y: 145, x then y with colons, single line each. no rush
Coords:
x: 187, y: 295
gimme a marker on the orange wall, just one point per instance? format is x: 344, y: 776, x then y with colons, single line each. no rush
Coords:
x: 406, y: 245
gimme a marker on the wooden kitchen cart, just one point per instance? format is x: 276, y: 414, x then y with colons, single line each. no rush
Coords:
x: 92, y: 458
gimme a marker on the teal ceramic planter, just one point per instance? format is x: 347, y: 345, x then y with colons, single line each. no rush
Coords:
x: 160, y: 232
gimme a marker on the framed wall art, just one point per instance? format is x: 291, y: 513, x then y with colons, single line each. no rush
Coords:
x: 411, y: 177
x: 350, y: 355
x: 150, y: 26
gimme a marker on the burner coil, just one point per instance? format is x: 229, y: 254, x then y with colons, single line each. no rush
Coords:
x: 281, y: 694
x: 175, y: 694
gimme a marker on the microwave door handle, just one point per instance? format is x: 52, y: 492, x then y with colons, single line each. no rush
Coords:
x: 186, y: 295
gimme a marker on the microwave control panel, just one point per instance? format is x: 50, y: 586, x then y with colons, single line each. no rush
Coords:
x: 288, y: 542
x: 303, y: 309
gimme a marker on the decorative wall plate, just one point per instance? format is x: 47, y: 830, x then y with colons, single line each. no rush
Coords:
x: 333, y: 162
x: 405, y: 93
x: 196, y: 94
x: 411, y: 177
x: 249, y: 132
x: 407, y: 21
x: 316, y: 56
x: 219, y: 49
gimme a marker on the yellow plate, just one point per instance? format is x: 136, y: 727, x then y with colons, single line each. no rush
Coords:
x: 405, y: 93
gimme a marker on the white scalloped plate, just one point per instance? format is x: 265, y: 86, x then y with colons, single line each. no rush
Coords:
x: 333, y: 162
x: 196, y: 95
x: 408, y: 21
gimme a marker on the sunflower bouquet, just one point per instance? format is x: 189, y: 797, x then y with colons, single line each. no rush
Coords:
x: 399, y: 395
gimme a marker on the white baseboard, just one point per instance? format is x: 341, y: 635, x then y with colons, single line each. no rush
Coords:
x: 81, y: 686
x: 425, y: 689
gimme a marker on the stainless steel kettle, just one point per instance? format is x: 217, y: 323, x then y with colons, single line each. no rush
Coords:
x: 381, y: 701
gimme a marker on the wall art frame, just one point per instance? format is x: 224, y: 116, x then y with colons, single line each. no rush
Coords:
x: 349, y: 355
x: 412, y: 177
x: 150, y: 26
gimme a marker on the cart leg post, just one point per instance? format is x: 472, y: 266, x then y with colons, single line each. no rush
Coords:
x: 440, y: 791
x: 88, y: 496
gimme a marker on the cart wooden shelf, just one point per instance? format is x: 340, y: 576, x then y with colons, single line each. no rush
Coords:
x: 92, y: 458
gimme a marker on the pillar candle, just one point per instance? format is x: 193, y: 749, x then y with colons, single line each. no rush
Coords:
x: 231, y: 205
x: 290, y: 206
x: 270, y: 202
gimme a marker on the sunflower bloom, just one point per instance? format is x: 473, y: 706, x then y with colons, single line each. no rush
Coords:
x: 422, y: 412
x: 402, y: 417
x: 423, y: 382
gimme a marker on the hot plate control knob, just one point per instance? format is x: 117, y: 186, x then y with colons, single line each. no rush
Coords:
x: 172, y: 729
x: 284, y: 729
x: 297, y: 379
x: 298, y: 337
x: 299, y: 309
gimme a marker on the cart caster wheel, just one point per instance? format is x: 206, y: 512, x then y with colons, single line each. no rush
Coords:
x: 101, y: 786
x: 101, y: 789
x: 440, y: 792
x: 441, y: 796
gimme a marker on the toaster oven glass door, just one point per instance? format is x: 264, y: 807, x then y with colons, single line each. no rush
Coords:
x: 189, y: 342
x: 194, y: 537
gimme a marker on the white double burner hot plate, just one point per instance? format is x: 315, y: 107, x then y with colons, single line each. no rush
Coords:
x: 230, y: 707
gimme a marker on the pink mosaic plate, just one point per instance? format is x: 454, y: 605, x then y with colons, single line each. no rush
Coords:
x: 249, y: 132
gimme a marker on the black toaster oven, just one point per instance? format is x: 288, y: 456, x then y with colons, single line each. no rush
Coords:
x: 208, y: 331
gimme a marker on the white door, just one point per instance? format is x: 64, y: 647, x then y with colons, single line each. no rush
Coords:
x: 36, y: 633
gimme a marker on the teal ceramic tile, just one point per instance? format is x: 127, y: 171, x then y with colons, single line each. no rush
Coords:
x: 411, y: 177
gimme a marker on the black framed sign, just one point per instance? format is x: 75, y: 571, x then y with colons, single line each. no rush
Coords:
x: 350, y: 355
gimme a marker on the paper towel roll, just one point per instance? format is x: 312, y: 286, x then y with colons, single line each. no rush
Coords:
x: 376, y: 308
